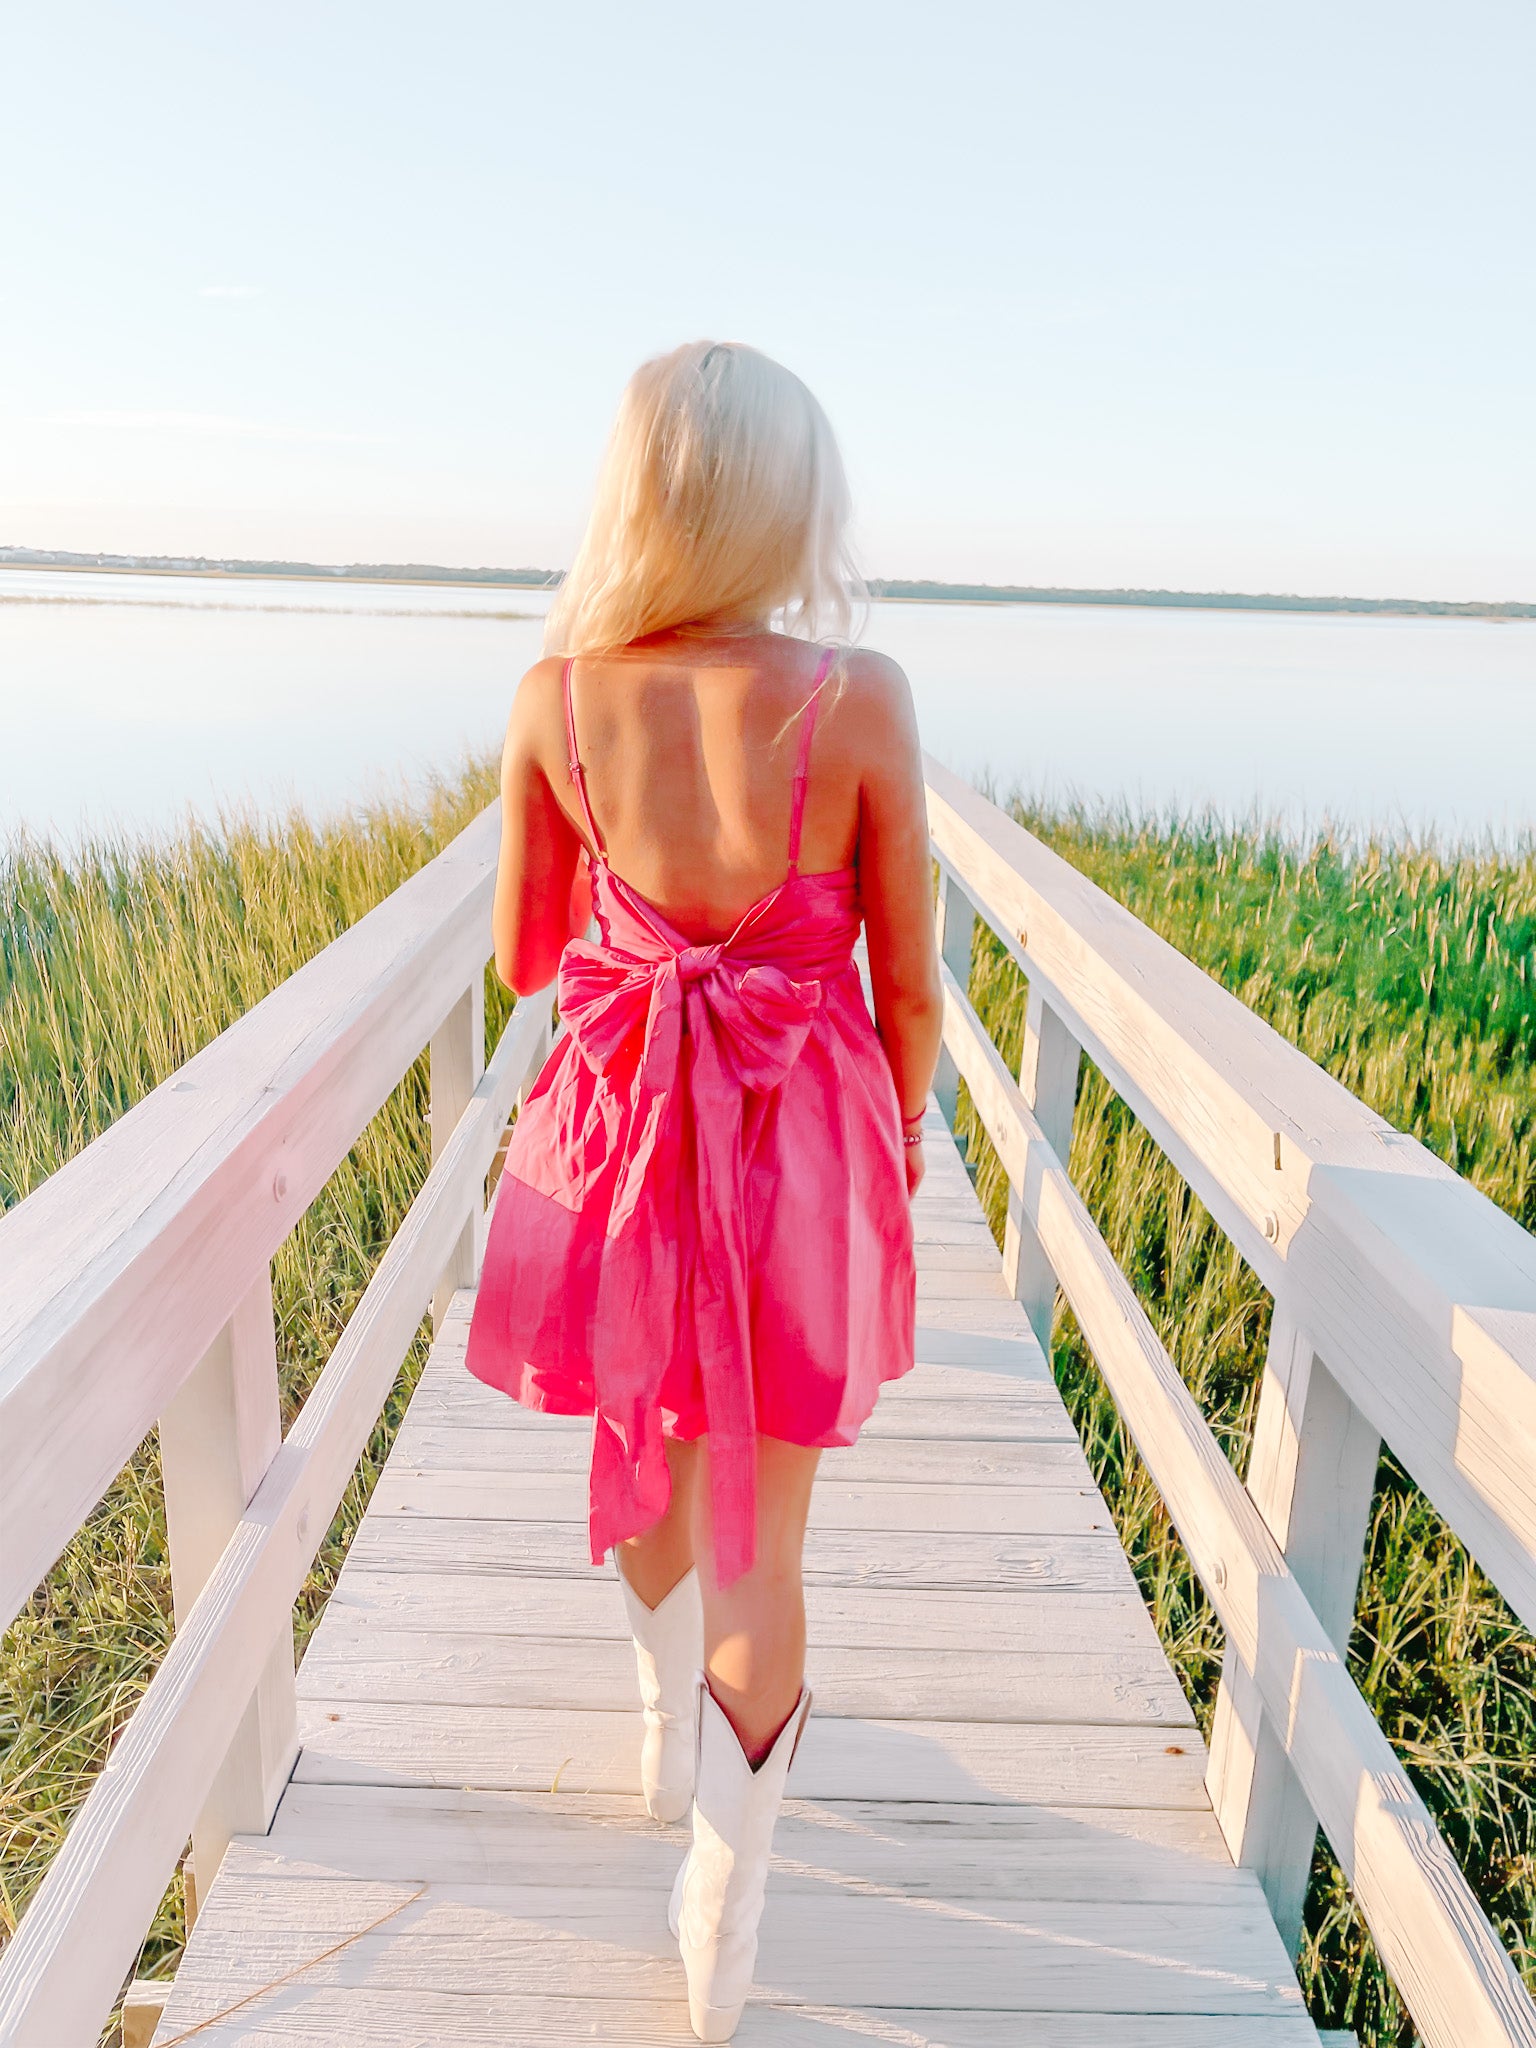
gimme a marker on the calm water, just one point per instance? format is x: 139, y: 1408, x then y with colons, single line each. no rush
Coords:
x: 125, y: 699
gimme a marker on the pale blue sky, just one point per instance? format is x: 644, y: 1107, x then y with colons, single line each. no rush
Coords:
x: 1197, y: 295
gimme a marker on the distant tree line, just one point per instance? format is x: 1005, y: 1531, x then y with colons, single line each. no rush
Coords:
x: 919, y: 590
x: 204, y: 565
x: 928, y: 592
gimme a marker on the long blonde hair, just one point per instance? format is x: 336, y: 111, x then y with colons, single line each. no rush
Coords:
x: 722, y: 494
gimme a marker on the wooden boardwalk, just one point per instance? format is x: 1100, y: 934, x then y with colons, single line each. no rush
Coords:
x: 998, y: 1833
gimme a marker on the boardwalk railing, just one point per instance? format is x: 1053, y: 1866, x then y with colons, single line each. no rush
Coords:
x: 137, y: 1292
x: 1404, y: 1312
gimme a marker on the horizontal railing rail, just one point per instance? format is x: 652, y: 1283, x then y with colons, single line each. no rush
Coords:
x: 1419, y: 1290
x: 138, y: 1291
x: 1405, y: 1309
x: 121, y: 1270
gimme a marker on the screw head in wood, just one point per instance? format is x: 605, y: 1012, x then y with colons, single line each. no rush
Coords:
x: 1219, y: 1573
x: 279, y: 1186
x: 1272, y: 1226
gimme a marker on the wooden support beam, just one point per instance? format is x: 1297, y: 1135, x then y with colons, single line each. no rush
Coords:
x: 456, y: 1062
x: 1048, y: 1071
x: 955, y: 928
x: 1312, y: 1476
x: 218, y: 1438
x: 143, y: 2003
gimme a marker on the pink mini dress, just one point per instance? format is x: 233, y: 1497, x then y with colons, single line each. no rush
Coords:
x: 702, y: 1224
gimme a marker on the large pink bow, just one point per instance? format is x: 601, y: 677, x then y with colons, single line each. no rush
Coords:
x: 710, y: 1026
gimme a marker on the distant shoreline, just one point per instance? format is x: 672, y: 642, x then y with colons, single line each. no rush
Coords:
x: 884, y: 589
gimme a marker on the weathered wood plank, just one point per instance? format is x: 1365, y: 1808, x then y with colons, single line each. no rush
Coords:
x: 362, y: 1660
x: 538, y: 1940
x: 943, y: 1850
x: 864, y: 1617
x: 301, y: 2017
x: 365, y: 1742
x: 903, y: 1558
x: 891, y: 1461
x: 562, y: 1497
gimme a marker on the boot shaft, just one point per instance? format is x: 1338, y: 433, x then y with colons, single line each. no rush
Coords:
x: 735, y: 1809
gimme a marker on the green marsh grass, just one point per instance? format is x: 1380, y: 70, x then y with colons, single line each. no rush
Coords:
x: 1408, y: 974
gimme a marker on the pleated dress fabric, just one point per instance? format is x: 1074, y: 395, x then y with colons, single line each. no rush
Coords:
x: 702, y: 1224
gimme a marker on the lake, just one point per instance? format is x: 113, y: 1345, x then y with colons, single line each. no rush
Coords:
x: 125, y: 700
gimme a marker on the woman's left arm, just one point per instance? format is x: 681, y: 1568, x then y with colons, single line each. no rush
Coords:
x: 543, y: 893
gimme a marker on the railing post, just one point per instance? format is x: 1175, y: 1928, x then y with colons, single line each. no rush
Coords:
x: 955, y: 925
x: 219, y: 1434
x: 1312, y: 1475
x: 1048, y: 1069
x: 456, y: 1062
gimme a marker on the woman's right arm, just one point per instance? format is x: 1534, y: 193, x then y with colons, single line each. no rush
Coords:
x: 896, y: 886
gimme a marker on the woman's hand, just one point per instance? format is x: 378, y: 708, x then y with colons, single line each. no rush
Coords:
x: 912, y: 1152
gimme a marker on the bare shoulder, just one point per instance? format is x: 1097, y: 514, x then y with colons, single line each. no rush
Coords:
x: 537, y: 718
x: 876, y: 703
x: 875, y: 676
x: 538, y: 695
x: 535, y: 738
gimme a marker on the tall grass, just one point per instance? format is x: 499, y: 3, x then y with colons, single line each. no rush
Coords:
x: 117, y: 964
x: 1411, y: 976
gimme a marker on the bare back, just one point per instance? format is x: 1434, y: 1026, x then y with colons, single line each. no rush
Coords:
x: 690, y: 768
x: 689, y: 746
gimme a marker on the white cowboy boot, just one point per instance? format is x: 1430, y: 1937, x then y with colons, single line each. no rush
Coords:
x: 717, y: 1899
x: 669, y: 1643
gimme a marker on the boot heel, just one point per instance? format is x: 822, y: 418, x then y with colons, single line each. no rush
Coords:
x: 714, y: 2022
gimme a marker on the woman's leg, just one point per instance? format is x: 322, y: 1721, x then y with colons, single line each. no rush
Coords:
x: 654, y: 1562
x: 754, y: 1631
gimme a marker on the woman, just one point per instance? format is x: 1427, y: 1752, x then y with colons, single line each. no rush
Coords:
x: 702, y: 1233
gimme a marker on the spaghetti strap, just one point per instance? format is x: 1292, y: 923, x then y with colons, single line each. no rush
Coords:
x: 573, y: 759
x: 802, y: 765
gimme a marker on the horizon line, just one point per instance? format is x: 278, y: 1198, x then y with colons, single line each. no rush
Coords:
x: 922, y: 590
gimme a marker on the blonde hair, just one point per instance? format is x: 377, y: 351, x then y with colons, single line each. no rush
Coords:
x: 722, y: 494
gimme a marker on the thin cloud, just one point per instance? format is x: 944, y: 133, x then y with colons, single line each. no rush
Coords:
x: 229, y: 291
x: 207, y: 425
